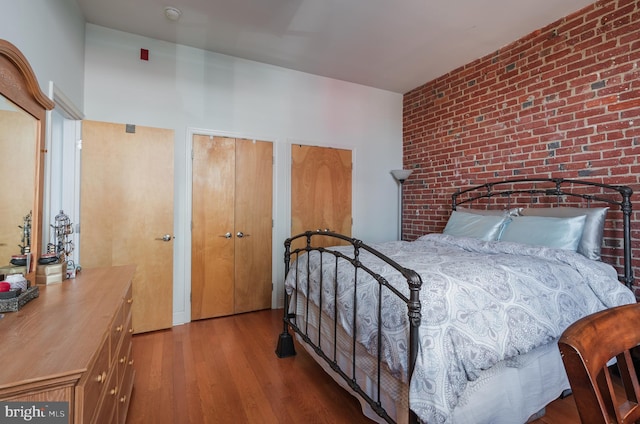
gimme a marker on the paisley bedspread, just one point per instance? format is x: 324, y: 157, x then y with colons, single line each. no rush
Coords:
x: 482, y: 302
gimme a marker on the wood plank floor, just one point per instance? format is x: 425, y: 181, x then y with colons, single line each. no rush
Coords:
x: 225, y: 370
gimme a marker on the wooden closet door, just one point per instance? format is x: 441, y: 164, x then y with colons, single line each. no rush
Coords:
x: 253, y: 212
x: 232, y: 226
x: 126, y: 207
x: 212, y: 233
x: 320, y: 190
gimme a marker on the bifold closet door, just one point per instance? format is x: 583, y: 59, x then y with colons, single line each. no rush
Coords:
x: 320, y: 190
x: 231, y: 226
x: 126, y: 210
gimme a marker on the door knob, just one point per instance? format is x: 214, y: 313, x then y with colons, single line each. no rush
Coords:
x: 166, y: 237
x: 241, y: 234
x: 227, y: 235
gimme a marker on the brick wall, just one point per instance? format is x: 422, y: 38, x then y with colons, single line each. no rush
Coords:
x: 562, y: 102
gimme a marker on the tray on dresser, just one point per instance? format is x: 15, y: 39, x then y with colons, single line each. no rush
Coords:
x: 14, y: 304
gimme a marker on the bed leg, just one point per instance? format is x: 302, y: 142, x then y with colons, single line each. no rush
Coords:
x: 285, y: 345
x: 285, y: 341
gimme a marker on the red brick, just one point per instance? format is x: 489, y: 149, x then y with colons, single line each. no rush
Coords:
x: 450, y: 147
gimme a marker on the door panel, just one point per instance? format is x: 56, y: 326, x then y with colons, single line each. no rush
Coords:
x: 126, y: 207
x: 320, y: 190
x: 253, y: 212
x: 212, y: 254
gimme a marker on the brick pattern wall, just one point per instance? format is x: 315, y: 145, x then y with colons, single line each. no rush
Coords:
x: 562, y: 102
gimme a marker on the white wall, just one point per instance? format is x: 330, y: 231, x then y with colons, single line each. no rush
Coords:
x: 50, y: 33
x: 189, y: 90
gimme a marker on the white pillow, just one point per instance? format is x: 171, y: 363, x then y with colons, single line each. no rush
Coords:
x: 591, y: 242
x: 483, y: 227
x: 558, y: 233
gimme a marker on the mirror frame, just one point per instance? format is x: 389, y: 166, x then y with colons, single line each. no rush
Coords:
x: 18, y: 84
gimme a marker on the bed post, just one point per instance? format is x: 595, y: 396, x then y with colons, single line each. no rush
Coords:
x: 626, y: 193
x: 285, y: 341
x: 415, y: 316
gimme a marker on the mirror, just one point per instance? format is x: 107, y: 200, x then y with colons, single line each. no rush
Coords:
x: 23, y: 109
x: 17, y: 127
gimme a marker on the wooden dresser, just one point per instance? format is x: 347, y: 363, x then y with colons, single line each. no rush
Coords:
x: 73, y: 343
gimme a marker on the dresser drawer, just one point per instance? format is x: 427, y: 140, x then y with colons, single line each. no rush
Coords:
x: 106, y: 409
x: 122, y: 360
x: 117, y: 330
x: 128, y: 301
x: 126, y: 388
x: 93, y: 384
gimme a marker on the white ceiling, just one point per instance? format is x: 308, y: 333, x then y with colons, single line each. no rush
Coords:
x: 394, y: 45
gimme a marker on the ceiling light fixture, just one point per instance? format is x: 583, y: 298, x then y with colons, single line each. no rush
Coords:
x: 172, y: 13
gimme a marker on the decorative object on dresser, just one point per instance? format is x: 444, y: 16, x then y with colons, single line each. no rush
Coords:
x: 79, y: 347
x: 447, y: 327
x: 63, y: 245
x: 57, y: 265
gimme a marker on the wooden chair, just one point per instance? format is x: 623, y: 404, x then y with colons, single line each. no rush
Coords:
x: 586, y: 347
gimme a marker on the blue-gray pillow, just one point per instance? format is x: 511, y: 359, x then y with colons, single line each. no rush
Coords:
x: 591, y: 242
x: 483, y: 227
x: 499, y: 212
x: 558, y: 233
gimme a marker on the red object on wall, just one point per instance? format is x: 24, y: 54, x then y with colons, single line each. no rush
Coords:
x: 144, y: 54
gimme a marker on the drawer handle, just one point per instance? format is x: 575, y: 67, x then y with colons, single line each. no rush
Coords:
x: 131, y: 362
x: 131, y: 330
x: 123, y: 399
x: 113, y: 391
x: 119, y: 328
x: 130, y: 301
x: 101, y: 377
x: 123, y: 359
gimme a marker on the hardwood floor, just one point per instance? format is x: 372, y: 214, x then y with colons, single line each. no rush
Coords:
x: 225, y: 370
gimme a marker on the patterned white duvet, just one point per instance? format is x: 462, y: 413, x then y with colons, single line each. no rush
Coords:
x: 482, y: 302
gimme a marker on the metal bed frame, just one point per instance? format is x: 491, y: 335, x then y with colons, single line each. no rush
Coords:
x: 486, y: 195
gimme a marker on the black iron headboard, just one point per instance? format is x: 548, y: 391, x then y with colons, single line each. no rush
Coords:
x: 507, y: 193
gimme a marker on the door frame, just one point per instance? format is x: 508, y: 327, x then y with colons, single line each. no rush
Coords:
x: 64, y: 145
x: 275, y: 259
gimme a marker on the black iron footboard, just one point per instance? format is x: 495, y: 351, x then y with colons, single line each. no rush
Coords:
x: 285, y: 342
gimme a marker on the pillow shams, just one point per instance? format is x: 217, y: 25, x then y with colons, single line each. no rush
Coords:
x: 483, y: 227
x: 496, y: 212
x: 591, y: 243
x: 558, y: 233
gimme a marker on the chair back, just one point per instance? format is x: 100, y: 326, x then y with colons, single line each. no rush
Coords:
x: 586, y: 347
